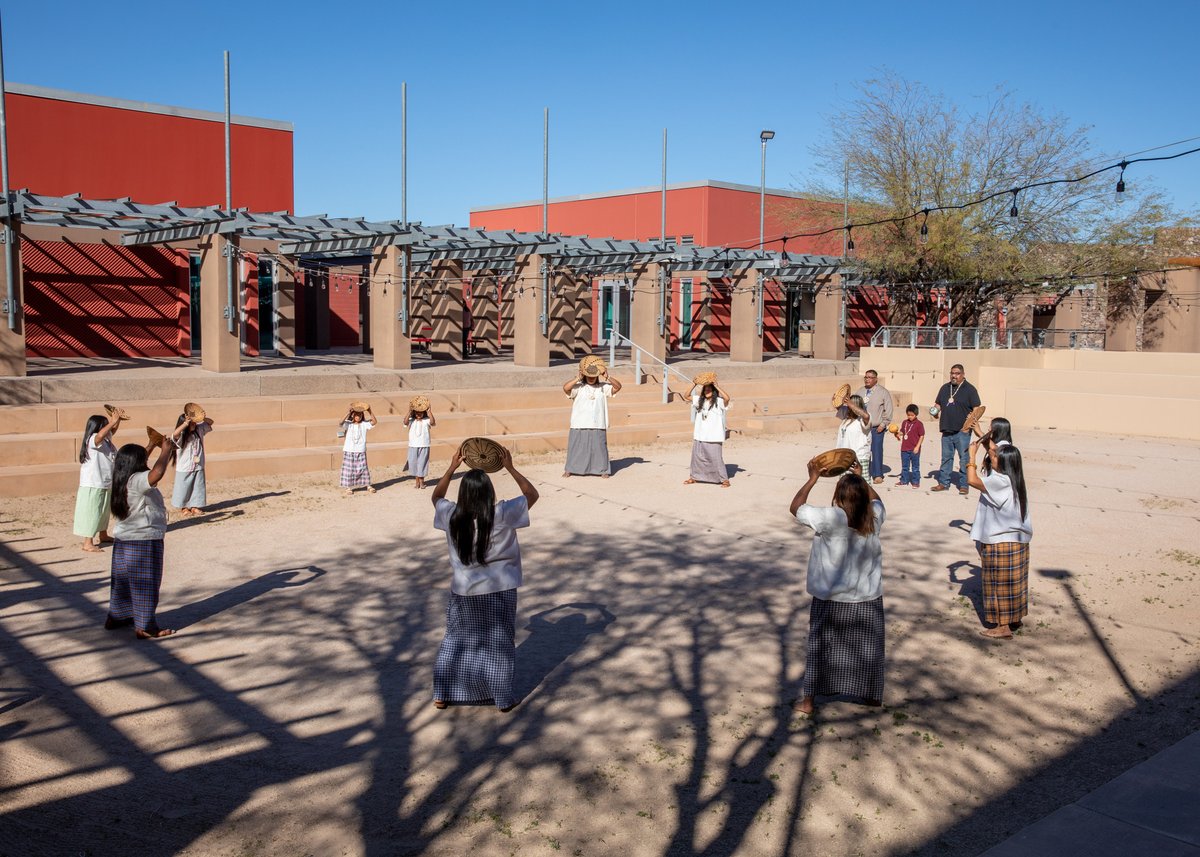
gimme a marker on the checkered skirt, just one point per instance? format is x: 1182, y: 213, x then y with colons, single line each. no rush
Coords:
x: 845, y: 649
x: 354, y: 470
x: 475, y: 661
x: 137, y: 570
x: 1005, y: 582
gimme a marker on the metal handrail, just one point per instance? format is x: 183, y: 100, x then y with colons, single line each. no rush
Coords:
x: 613, y: 336
x: 910, y: 336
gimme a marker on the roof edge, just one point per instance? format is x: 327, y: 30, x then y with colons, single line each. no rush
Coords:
x: 143, y: 106
x: 648, y: 189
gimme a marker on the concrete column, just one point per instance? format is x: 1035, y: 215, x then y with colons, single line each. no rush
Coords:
x: 485, y: 313
x: 745, y: 341
x: 12, y: 342
x: 702, y: 318
x: 285, y: 306
x: 644, y: 311
x: 508, y: 291
x: 447, y: 299
x: 390, y: 342
x: 829, y: 342
x: 563, y: 318
x: 220, y: 349
x: 585, y: 333
x: 531, y: 347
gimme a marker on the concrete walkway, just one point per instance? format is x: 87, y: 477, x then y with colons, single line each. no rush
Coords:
x: 1152, y: 809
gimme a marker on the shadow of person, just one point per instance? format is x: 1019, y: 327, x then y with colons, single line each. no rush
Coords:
x: 970, y: 587
x: 238, y: 501
x: 553, y: 639
x: 198, y: 611
x: 616, y: 465
x: 960, y: 524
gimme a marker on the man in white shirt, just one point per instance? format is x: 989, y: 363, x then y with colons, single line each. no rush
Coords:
x: 587, y: 443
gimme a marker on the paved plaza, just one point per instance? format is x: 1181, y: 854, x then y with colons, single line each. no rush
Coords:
x: 661, y: 634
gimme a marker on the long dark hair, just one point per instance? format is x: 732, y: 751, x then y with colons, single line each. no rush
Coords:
x: 1008, y: 462
x: 706, y: 402
x: 852, y: 497
x: 999, y: 430
x: 471, y: 522
x: 130, y: 459
x: 187, y: 432
x: 94, y: 424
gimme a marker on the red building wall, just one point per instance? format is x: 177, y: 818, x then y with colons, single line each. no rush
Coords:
x: 58, y: 147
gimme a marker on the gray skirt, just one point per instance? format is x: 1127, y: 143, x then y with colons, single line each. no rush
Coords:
x: 190, y: 490
x: 418, y: 461
x: 708, y: 462
x: 587, y: 452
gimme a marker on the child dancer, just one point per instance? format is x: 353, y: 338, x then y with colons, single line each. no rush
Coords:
x: 191, y: 493
x: 354, y: 451
x: 855, y: 431
x: 708, y: 435
x: 137, y: 557
x: 420, y: 420
x: 912, y: 435
x: 96, y: 455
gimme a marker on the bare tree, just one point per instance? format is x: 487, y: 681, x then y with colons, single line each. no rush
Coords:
x: 908, y: 149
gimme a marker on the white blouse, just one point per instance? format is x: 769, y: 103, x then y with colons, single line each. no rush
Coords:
x: 843, y: 564
x: 708, y: 424
x: 998, y: 516
x: 589, y: 407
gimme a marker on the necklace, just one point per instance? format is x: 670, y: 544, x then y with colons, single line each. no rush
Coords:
x: 954, y: 390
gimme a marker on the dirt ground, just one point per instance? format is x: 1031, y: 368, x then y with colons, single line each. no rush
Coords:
x: 660, y: 644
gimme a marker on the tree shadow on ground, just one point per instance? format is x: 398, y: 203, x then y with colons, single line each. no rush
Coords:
x: 241, y: 501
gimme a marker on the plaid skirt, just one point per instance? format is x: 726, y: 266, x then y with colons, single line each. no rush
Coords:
x: 1005, y: 581
x: 354, y: 470
x: 845, y: 649
x: 475, y: 660
x: 137, y: 569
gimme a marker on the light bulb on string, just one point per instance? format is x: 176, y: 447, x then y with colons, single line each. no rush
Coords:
x: 1119, y: 193
x: 925, y: 227
x: 849, y: 242
x: 1012, y: 212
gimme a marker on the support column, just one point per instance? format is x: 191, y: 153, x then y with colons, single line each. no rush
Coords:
x: 485, y: 313
x: 563, y: 316
x: 285, y: 306
x: 829, y: 341
x: 702, y: 317
x: 531, y: 347
x: 508, y: 291
x: 220, y: 348
x: 645, y: 307
x: 585, y: 334
x: 745, y: 339
x: 12, y: 342
x: 389, y: 339
x: 447, y: 300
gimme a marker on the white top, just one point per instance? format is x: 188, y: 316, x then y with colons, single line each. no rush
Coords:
x: 843, y: 564
x: 998, y: 515
x: 852, y: 435
x: 418, y: 432
x: 191, y: 454
x: 503, y: 567
x: 590, y: 407
x: 708, y: 424
x: 97, y: 471
x: 147, y: 519
x: 356, y: 436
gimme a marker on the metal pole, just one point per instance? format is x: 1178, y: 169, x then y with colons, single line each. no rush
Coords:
x: 404, y: 152
x: 762, y: 196
x: 546, y: 172
x: 663, y: 230
x: 230, y: 295
x: 612, y: 345
x: 404, y: 291
x: 845, y: 205
x: 10, y: 301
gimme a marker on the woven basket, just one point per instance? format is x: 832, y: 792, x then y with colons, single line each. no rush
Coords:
x: 843, y: 393
x: 194, y: 412
x: 972, y: 419
x: 419, y: 403
x: 483, y: 453
x: 592, y: 366
x: 835, y: 462
x: 113, y: 412
x: 705, y: 378
x: 359, y: 407
x: 155, y: 438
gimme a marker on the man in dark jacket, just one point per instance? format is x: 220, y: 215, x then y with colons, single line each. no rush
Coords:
x: 955, y: 401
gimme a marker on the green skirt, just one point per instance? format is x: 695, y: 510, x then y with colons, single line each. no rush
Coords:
x: 91, y: 511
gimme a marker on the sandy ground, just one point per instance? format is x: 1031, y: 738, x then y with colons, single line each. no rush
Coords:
x: 660, y: 643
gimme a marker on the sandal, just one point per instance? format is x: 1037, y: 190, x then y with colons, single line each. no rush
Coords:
x: 370, y: 489
x: 157, y: 635
x: 725, y: 484
x: 440, y: 704
x: 689, y: 481
x: 996, y: 634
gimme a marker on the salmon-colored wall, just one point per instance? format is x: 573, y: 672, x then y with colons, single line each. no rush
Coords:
x: 104, y: 300
x: 345, y: 285
x: 62, y: 147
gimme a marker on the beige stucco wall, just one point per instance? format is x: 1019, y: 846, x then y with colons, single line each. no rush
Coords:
x: 1153, y: 394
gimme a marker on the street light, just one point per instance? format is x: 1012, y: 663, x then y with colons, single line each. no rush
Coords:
x: 762, y: 186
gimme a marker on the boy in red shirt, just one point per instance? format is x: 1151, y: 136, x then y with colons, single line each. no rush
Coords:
x: 912, y: 435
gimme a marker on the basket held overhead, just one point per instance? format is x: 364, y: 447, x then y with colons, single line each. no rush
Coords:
x: 483, y: 453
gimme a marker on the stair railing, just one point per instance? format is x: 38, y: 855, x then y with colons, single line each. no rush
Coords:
x: 637, y: 352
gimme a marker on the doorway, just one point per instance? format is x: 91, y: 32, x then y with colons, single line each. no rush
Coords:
x: 614, y: 309
x: 266, y: 306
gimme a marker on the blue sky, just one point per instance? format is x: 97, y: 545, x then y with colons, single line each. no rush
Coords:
x: 613, y: 75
